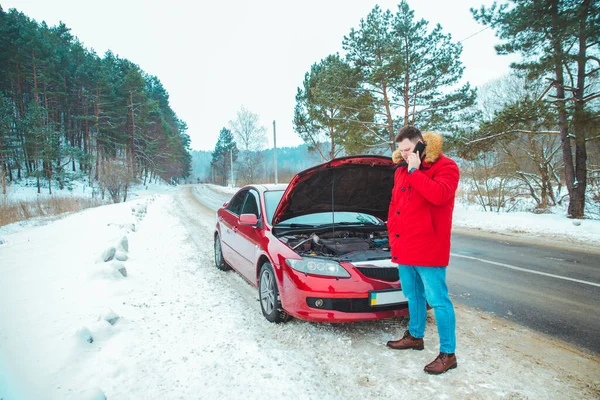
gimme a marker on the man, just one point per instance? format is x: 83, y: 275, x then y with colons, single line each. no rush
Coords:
x: 419, y: 225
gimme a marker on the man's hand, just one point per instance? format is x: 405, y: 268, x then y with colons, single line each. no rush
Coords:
x: 414, y: 160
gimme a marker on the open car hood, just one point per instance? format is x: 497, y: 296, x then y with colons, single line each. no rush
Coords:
x: 356, y: 184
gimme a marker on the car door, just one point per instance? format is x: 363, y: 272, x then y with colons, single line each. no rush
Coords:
x: 229, y: 227
x: 248, y: 238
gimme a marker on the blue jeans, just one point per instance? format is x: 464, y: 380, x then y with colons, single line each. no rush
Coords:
x: 422, y: 285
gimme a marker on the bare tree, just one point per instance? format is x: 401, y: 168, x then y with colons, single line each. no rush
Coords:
x: 250, y: 136
x: 487, y: 181
x: 536, y: 162
x: 494, y: 95
x: 115, y: 178
x: 523, y: 131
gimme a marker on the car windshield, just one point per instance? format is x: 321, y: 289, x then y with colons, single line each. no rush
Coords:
x: 327, y: 218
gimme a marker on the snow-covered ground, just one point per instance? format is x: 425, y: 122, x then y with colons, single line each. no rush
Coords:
x: 27, y: 190
x: 73, y: 326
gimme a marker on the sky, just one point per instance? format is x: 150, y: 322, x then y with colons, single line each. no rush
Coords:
x: 215, y: 57
x: 73, y: 327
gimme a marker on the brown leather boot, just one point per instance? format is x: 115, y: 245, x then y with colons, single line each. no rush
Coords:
x: 441, y: 364
x: 408, y: 341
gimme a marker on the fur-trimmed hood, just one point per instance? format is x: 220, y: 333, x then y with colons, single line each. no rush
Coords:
x: 433, y: 149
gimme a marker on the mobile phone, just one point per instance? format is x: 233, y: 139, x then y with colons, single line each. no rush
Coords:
x: 420, y: 146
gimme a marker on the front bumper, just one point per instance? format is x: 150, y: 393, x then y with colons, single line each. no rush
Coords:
x: 327, y: 299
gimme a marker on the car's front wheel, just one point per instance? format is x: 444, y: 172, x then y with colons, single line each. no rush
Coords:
x: 219, y: 260
x: 269, y: 295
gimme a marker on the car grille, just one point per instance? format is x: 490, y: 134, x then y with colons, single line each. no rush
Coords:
x: 383, y: 274
x: 351, y: 305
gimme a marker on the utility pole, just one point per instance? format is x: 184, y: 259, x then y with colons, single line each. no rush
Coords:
x: 231, y: 164
x: 275, y: 151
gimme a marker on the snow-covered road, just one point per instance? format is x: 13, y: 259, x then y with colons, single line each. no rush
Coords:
x: 189, y: 331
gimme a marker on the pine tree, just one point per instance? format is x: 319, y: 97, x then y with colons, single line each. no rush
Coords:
x: 224, y: 153
x: 412, y: 73
x: 331, y: 115
x: 559, y: 40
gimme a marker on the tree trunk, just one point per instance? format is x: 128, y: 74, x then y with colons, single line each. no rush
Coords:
x: 38, y: 176
x: 390, y: 120
x: 47, y: 163
x: 20, y: 117
x: 565, y: 140
x: 406, y: 93
x: 86, y: 145
x: 131, y: 136
x: 3, y: 177
x: 49, y: 172
x: 577, y: 201
x: 97, y: 114
x: 35, y: 86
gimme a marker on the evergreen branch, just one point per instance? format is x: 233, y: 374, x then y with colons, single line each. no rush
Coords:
x: 592, y: 44
x: 591, y: 97
x: 359, y: 121
x: 570, y: 88
x: 314, y: 143
x: 360, y: 89
x: 571, y: 78
x: 552, y: 83
x: 564, y: 100
x: 592, y: 72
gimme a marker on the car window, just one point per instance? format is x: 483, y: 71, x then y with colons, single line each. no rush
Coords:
x: 251, y: 204
x: 235, y: 205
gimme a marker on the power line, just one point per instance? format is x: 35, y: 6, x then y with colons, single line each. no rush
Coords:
x: 476, y: 33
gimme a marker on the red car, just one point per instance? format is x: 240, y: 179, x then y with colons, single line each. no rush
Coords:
x: 317, y: 249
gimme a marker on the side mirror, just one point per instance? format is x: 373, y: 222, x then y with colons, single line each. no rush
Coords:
x: 248, y: 219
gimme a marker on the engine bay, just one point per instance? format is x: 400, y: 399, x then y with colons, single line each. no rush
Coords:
x: 343, y: 245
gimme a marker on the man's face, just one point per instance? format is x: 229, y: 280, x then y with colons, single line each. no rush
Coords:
x: 406, y: 147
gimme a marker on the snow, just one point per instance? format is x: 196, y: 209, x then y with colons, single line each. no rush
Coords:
x: 73, y: 326
x: 27, y: 190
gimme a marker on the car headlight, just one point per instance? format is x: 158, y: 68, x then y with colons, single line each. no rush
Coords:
x: 317, y: 266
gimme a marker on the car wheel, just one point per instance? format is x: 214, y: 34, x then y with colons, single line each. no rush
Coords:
x: 219, y: 260
x: 269, y: 295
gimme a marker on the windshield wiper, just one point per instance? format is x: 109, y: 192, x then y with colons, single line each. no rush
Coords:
x: 294, y: 225
x: 357, y: 223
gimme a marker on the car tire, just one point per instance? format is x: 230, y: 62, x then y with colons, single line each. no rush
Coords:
x: 219, y: 260
x: 268, y: 294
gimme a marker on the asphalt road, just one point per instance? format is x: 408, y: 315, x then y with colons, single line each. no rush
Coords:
x: 551, y: 289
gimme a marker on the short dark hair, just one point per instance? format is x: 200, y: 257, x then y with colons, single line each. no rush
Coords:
x: 408, y: 132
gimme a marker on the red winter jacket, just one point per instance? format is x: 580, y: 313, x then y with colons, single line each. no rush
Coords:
x: 420, y: 213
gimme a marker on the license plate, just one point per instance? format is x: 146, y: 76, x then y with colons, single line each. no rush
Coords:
x: 386, y: 297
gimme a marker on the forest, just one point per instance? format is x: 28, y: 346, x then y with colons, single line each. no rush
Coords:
x: 529, y: 140
x: 67, y: 114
